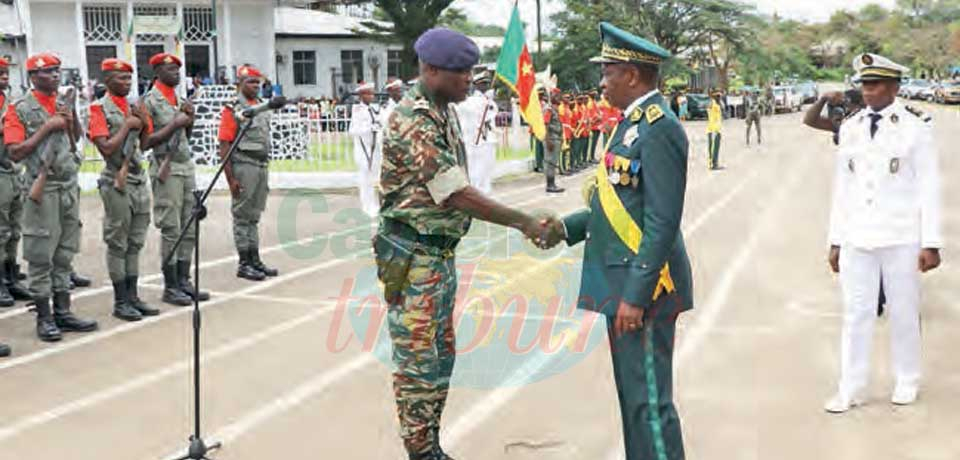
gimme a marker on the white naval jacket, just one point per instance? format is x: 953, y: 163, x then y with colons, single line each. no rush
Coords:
x: 887, y: 189
x: 470, y: 112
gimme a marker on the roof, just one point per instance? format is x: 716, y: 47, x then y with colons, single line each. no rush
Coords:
x: 9, y: 25
x: 291, y: 22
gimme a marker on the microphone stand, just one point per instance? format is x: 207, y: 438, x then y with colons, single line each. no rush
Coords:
x: 198, y: 449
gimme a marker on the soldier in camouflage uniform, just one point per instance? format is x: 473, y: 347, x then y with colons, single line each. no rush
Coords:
x: 426, y: 207
x: 37, y: 131
x: 117, y: 130
x: 172, y: 177
x: 553, y: 142
x: 11, y: 208
x: 247, y: 173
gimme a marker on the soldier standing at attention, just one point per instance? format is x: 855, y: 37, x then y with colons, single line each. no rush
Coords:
x: 117, y: 130
x: 427, y: 206
x: 172, y: 177
x: 554, y: 139
x: 247, y: 172
x: 11, y: 208
x: 635, y: 266
x: 885, y: 219
x: 37, y: 131
x: 754, y: 114
x: 714, y: 124
x: 365, y: 129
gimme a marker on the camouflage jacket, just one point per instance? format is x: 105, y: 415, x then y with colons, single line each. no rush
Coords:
x: 424, y: 162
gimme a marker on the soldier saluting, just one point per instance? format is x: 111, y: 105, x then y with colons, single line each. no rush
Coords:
x: 426, y: 207
x: 118, y: 130
x: 39, y: 131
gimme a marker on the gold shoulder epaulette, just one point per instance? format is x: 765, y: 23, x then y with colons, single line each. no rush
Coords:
x: 654, y: 113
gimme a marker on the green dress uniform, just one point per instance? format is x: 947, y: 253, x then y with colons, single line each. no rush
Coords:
x: 126, y: 214
x: 635, y: 253
x: 250, y: 168
x: 173, y: 199
x: 51, y: 227
x: 11, y: 208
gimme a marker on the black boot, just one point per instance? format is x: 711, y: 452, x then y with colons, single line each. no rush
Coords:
x: 171, y: 288
x: 79, y: 280
x: 65, y: 319
x: 12, y: 280
x: 259, y: 265
x: 552, y: 186
x: 183, y: 273
x: 47, y: 329
x: 6, y: 300
x: 246, y: 270
x: 121, y: 305
x: 5, y: 350
x: 133, y: 298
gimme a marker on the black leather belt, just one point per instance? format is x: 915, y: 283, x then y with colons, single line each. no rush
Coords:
x: 402, y: 230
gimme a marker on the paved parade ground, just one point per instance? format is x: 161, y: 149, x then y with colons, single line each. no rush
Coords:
x: 296, y: 367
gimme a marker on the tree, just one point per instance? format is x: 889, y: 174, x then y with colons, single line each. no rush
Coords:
x: 409, y: 21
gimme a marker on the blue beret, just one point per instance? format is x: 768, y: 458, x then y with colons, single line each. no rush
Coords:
x: 447, y: 49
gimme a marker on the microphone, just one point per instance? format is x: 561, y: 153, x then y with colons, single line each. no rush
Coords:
x: 274, y: 103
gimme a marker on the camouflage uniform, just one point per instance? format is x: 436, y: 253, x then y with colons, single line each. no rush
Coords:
x: 11, y: 208
x: 424, y: 162
x: 555, y: 136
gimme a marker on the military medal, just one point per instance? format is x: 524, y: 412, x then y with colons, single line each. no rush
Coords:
x: 894, y: 165
x: 635, y: 172
x: 894, y: 118
x: 625, y: 178
x: 630, y: 137
x: 615, y: 178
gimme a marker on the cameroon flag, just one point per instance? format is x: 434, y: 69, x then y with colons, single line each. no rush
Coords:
x: 515, y: 68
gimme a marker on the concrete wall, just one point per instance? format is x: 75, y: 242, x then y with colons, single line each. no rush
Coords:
x: 328, y: 56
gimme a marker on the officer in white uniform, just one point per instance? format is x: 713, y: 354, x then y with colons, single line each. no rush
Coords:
x: 885, y: 219
x: 365, y: 127
x: 477, y: 115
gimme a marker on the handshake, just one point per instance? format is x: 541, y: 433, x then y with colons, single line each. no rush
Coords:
x: 544, y: 230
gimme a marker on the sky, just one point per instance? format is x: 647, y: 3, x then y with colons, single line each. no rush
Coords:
x: 498, y: 11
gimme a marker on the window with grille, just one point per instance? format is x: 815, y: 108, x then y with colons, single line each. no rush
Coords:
x: 304, y: 68
x: 351, y: 62
x: 393, y: 63
x: 95, y: 55
x: 103, y: 24
x: 197, y: 24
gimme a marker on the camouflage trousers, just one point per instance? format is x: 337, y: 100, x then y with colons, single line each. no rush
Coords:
x: 249, y: 205
x: 424, y: 347
x: 11, y: 208
x: 51, y: 237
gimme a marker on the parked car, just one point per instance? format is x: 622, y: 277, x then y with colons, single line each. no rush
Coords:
x: 916, y: 89
x: 787, y: 99
x: 948, y: 92
x: 809, y: 92
x: 697, y: 105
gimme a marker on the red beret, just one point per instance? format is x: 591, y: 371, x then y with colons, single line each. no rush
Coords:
x: 42, y: 61
x: 114, y: 64
x: 165, y: 58
x: 248, y: 71
x: 3, y: 63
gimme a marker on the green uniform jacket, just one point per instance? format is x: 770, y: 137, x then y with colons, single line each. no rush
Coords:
x: 611, y: 271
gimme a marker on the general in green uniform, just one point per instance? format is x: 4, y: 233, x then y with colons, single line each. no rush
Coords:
x: 38, y: 131
x: 635, y: 265
x: 426, y: 207
x: 11, y: 208
x: 247, y: 172
x: 172, y: 177
x: 117, y: 129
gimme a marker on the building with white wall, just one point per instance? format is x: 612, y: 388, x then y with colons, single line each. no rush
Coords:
x: 83, y: 33
x: 322, y: 54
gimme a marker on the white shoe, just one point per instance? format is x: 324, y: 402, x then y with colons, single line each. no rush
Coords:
x: 841, y: 403
x: 904, y: 395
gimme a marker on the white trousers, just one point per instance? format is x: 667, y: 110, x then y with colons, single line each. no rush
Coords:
x: 480, y: 162
x: 860, y: 271
x: 368, y: 177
